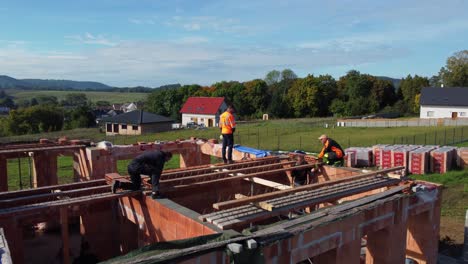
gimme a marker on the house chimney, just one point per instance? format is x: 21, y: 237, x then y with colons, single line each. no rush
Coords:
x: 141, y: 116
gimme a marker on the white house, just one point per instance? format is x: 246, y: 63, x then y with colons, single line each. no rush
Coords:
x: 447, y: 102
x: 203, y: 110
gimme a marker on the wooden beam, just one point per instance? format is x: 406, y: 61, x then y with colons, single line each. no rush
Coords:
x: 239, y: 196
x: 175, y: 189
x: 212, y: 168
x: 268, y: 183
x: 52, y: 196
x: 266, y: 196
x: 65, y: 236
x: 44, y: 208
x: 48, y: 189
x: 210, y: 176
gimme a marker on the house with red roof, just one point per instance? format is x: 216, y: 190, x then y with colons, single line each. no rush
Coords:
x: 203, y: 110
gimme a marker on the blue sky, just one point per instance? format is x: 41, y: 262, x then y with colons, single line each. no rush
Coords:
x: 157, y: 42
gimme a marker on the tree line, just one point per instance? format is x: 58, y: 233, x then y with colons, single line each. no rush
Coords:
x: 283, y: 95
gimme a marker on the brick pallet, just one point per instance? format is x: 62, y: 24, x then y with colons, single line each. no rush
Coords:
x: 350, y: 159
x: 400, y: 157
x: 377, y: 154
x: 419, y: 160
x: 362, y: 156
x: 462, y: 157
x: 442, y: 159
x: 386, y: 156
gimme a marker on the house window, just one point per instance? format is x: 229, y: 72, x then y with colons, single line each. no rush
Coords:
x: 462, y: 113
x: 109, y: 127
x: 191, y: 119
x: 202, y: 119
x: 430, y: 113
x: 135, y: 127
x: 124, y: 126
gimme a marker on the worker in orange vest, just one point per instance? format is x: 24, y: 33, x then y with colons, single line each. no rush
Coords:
x: 227, y: 124
x: 332, y: 153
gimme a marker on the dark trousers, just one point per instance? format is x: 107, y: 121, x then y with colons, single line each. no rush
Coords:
x: 228, y: 141
x: 135, y: 177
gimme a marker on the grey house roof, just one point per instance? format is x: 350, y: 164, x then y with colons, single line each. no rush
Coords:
x: 447, y: 96
x: 136, y: 118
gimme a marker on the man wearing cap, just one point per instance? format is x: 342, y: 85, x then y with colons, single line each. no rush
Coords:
x: 332, y: 153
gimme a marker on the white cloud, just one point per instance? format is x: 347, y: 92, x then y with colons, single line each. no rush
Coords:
x: 142, y: 21
x: 189, y: 60
x: 210, y: 23
x: 89, y: 38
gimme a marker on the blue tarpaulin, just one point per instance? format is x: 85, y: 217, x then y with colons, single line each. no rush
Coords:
x: 257, y: 152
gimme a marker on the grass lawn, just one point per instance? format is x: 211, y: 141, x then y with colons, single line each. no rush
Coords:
x: 111, y: 97
x: 454, y: 202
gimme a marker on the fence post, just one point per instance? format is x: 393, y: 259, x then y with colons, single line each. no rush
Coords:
x: 453, y: 136
x: 248, y: 135
x: 445, y: 136
x: 414, y: 139
x: 278, y: 142
x: 258, y: 138
x: 425, y: 137
x: 349, y: 142
x: 435, y: 137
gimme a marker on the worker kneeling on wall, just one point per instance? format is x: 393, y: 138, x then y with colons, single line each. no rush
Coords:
x: 331, y: 153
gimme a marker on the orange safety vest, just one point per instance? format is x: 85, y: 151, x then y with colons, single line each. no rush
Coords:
x: 331, y: 145
x: 227, y: 123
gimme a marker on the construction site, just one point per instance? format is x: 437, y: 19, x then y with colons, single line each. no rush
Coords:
x: 245, y: 212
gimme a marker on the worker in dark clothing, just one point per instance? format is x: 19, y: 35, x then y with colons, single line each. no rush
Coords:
x: 332, y: 153
x: 227, y: 125
x: 148, y: 163
x: 301, y: 176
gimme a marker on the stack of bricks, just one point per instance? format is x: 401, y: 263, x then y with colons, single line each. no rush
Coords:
x: 419, y: 160
x: 462, y: 158
x: 386, y: 156
x: 442, y: 159
x: 400, y: 157
x: 350, y: 158
x: 363, y: 156
x: 377, y: 154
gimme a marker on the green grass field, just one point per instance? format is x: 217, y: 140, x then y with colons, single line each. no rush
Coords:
x: 454, y: 202
x: 112, y: 97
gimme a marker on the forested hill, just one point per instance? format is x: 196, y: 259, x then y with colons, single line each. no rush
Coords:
x: 9, y: 82
x: 396, y: 82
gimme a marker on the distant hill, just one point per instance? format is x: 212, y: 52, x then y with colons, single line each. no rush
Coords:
x: 7, y: 82
x: 396, y: 82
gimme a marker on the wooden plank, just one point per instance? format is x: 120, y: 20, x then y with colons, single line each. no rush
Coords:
x: 239, y: 196
x: 268, y: 183
x: 65, y: 236
x: 14, y: 202
x: 175, y: 189
x: 48, y: 189
x: 210, y: 176
x: 266, y: 196
x: 44, y: 208
x: 198, y: 171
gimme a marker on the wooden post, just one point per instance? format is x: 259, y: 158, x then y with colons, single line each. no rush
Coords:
x: 65, y: 236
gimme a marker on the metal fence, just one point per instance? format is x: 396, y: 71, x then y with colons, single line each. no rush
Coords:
x: 402, y: 123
